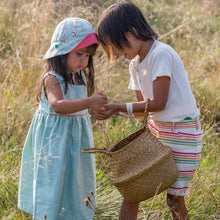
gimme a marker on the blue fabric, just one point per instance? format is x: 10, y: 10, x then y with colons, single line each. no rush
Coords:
x: 55, y: 175
x: 67, y: 35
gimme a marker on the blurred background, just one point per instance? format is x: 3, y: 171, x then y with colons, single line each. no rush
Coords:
x: 191, y: 27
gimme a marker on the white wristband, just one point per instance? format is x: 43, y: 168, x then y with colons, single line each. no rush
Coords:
x: 129, y: 114
x: 126, y: 115
x: 129, y: 108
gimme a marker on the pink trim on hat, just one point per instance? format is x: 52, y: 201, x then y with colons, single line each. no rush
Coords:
x: 87, y: 41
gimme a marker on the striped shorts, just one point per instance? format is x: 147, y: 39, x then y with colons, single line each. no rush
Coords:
x: 185, y: 139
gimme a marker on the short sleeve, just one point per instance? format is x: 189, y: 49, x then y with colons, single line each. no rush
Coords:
x: 133, y: 84
x: 161, y: 63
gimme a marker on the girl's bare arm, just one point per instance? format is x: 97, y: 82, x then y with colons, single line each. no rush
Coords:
x: 66, y: 106
x: 157, y: 103
x: 139, y: 98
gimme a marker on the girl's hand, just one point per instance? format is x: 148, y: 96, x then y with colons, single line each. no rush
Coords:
x: 98, y: 101
x: 110, y: 109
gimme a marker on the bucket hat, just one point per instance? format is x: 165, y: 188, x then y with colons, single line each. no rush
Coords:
x: 69, y: 34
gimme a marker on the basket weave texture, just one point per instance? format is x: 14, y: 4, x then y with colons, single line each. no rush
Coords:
x: 141, y: 166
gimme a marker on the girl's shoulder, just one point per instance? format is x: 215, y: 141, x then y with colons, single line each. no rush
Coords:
x: 53, y: 73
x: 161, y: 51
x: 161, y: 48
x: 158, y: 50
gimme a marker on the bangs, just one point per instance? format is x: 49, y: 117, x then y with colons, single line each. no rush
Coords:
x: 90, y: 49
x: 110, y: 31
x: 115, y: 22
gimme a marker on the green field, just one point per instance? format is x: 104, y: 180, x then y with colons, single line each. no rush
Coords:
x: 191, y: 27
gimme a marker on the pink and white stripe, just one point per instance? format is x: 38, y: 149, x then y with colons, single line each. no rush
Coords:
x: 185, y: 139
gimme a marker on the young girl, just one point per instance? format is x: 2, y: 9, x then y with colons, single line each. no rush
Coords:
x: 55, y: 176
x: 156, y: 73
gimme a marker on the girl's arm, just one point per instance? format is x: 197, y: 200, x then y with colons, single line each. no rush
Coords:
x: 66, y: 106
x: 157, y: 103
x: 139, y: 98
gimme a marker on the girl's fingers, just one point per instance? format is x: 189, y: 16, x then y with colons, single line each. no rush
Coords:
x: 102, y: 109
x: 107, y: 106
x: 101, y: 115
x: 100, y: 93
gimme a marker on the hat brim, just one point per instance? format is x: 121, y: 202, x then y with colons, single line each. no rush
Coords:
x: 87, y: 41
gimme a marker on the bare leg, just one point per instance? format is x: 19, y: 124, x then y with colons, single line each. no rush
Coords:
x: 177, y: 207
x: 129, y: 211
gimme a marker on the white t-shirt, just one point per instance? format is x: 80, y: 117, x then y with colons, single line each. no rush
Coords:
x: 162, y: 60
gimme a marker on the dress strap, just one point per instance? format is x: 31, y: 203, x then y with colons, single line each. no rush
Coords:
x: 57, y: 75
x: 45, y: 75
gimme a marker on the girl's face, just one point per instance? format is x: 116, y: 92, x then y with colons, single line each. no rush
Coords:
x: 77, y: 60
x: 128, y: 52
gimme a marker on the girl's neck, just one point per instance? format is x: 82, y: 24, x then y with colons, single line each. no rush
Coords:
x: 145, y: 48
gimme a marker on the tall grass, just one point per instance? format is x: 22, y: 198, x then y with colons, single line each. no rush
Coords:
x: 192, y: 27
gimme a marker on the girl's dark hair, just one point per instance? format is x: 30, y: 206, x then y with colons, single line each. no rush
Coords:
x: 58, y: 64
x: 120, y: 18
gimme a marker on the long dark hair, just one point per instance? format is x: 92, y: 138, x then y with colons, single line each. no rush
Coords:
x: 120, y: 18
x: 58, y: 64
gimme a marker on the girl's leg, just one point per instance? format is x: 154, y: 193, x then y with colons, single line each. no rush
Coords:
x: 129, y: 211
x: 177, y: 207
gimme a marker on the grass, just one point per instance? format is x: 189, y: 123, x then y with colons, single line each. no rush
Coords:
x: 191, y: 27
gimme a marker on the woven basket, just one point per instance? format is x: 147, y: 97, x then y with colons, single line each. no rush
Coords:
x: 141, y: 166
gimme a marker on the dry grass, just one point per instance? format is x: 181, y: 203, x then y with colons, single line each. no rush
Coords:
x: 191, y: 27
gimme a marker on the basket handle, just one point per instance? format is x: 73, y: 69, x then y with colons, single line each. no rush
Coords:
x: 146, y: 111
x: 96, y: 150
